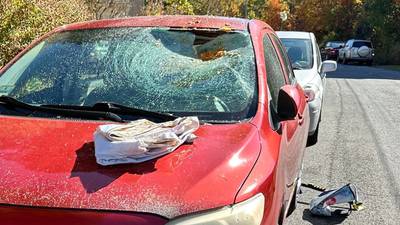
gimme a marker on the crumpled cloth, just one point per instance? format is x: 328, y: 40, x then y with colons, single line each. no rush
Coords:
x: 141, y: 140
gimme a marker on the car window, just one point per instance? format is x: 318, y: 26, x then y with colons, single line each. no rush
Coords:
x: 348, y: 43
x: 358, y: 44
x: 336, y: 44
x: 300, y: 52
x: 288, y: 66
x: 210, y: 74
x: 275, y: 77
x: 24, y: 62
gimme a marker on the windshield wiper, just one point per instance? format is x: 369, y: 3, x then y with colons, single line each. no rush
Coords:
x: 118, y: 109
x: 9, y: 101
x: 296, y: 68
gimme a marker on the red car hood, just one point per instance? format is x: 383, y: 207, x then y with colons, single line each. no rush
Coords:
x: 51, y: 163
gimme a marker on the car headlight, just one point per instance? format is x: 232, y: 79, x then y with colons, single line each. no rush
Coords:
x: 249, y: 212
x: 311, y: 91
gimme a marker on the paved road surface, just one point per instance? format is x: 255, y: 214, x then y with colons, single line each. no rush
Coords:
x: 359, y: 143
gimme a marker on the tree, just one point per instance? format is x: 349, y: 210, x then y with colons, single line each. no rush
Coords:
x: 21, y: 21
x: 335, y: 19
x: 383, y: 18
x: 106, y: 9
x: 168, y: 7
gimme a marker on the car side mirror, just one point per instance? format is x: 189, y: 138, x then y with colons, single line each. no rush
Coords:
x: 288, y: 102
x: 328, y: 66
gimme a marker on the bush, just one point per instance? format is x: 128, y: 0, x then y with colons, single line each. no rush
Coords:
x: 21, y: 21
x: 388, y: 54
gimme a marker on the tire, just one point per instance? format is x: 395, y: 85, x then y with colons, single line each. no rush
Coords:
x: 281, y: 216
x: 338, y: 59
x: 344, y: 60
x: 293, y: 203
x: 313, y: 139
x: 297, y: 191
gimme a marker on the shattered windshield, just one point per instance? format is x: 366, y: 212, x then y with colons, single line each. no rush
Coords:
x: 205, y: 73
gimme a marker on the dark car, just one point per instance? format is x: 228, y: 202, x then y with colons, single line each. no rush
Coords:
x: 331, y: 49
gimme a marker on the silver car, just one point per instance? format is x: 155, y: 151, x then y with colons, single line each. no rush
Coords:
x: 310, y: 72
x: 357, y: 51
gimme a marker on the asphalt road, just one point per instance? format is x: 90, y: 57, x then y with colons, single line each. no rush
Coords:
x: 359, y: 143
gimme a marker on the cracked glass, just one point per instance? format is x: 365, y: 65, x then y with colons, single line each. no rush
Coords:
x: 206, y: 73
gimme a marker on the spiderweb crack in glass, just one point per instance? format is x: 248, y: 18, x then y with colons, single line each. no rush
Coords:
x: 164, y: 67
x: 157, y: 69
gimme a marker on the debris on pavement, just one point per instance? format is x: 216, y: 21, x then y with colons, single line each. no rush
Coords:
x: 322, y: 205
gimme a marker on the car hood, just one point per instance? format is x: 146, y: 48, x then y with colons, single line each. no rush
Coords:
x: 305, y: 77
x: 51, y: 163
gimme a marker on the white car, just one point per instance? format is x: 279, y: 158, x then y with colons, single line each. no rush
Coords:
x: 310, y: 72
x: 358, y: 51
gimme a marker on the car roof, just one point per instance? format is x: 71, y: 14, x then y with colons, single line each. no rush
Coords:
x: 211, y: 22
x: 294, y: 34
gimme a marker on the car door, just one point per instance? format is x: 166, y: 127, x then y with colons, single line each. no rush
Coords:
x: 347, y: 47
x: 293, y: 132
x: 318, y: 60
x: 343, y: 50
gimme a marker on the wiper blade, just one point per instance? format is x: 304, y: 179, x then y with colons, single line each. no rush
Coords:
x: 296, y: 68
x: 15, y: 103
x: 60, y: 111
x: 110, y: 106
x: 119, y: 109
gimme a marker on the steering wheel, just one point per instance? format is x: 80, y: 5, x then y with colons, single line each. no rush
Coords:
x: 299, y: 64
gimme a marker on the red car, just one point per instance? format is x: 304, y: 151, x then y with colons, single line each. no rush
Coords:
x: 244, y: 166
x: 331, y: 49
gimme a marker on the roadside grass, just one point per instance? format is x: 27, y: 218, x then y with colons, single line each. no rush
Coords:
x: 390, y: 67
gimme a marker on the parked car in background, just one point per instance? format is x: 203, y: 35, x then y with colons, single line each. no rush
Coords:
x: 357, y: 51
x: 243, y: 168
x: 310, y: 72
x: 331, y: 50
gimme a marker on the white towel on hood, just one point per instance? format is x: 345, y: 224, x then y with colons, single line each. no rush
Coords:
x: 141, y: 140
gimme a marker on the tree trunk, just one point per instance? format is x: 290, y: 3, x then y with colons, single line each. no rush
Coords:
x: 106, y: 9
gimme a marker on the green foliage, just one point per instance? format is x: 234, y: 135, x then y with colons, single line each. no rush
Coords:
x: 169, y: 7
x: 179, y: 7
x: 267, y: 10
x: 21, y: 21
x: 17, y: 26
x: 383, y: 19
x: 377, y: 20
